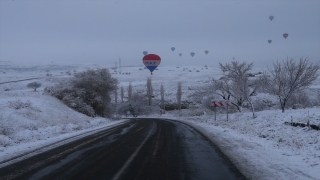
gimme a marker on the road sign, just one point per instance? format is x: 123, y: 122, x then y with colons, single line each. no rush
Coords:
x: 220, y: 103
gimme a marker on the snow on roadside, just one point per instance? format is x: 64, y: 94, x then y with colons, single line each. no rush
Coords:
x: 264, y: 147
x: 30, y: 120
x: 18, y: 152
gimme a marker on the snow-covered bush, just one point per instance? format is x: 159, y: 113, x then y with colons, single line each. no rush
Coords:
x: 196, y: 112
x: 207, y: 102
x: 87, y: 92
x: 299, y: 100
x: 138, y: 105
x: 18, y: 104
x: 78, y: 104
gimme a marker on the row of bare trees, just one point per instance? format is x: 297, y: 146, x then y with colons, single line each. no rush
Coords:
x: 138, y: 102
x: 285, y: 79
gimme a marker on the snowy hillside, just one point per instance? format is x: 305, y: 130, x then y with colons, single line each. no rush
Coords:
x: 263, y: 148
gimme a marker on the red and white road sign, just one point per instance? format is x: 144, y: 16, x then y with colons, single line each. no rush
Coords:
x: 221, y: 103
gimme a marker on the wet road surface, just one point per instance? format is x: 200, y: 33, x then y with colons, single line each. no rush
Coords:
x: 141, y: 149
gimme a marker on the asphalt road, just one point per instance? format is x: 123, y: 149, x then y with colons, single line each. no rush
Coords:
x: 141, y: 149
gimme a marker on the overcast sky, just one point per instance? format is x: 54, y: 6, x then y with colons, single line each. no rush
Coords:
x: 75, y: 31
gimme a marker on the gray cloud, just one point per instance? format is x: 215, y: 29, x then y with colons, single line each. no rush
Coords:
x: 103, y: 31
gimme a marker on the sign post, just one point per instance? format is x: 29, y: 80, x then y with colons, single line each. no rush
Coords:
x: 220, y: 103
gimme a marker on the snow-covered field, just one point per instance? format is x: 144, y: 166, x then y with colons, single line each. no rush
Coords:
x: 262, y: 148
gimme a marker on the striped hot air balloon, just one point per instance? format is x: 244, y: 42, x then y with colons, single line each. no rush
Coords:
x: 151, y: 61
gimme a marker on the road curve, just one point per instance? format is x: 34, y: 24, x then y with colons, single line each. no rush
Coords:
x: 141, y: 149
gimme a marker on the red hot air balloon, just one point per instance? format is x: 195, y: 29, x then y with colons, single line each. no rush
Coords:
x: 151, y: 61
x: 285, y: 35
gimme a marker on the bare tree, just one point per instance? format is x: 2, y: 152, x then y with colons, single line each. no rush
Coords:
x: 236, y: 84
x: 116, y: 97
x: 34, y: 85
x: 179, y: 94
x: 290, y: 76
x: 162, y: 96
x: 149, y: 90
x: 129, y: 91
x: 222, y: 88
x: 122, y: 93
x: 116, y: 101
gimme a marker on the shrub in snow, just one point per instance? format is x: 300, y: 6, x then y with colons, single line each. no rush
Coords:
x: 87, y: 92
x: 78, y: 104
x: 299, y: 100
x: 7, y: 89
x: 18, y: 104
x: 207, y: 102
x: 138, y: 105
x: 196, y: 112
x: 34, y: 85
x: 68, y: 72
x: 133, y: 108
x: 6, y: 130
x: 262, y: 104
x: 4, y: 141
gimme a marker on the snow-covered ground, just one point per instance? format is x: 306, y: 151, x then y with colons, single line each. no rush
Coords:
x: 262, y: 148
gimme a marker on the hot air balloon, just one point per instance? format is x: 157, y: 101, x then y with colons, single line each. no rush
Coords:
x: 173, y: 48
x: 192, y: 54
x: 269, y: 41
x: 151, y: 61
x: 145, y: 52
x: 271, y: 17
x: 180, y: 54
x: 285, y: 35
x: 206, y: 51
